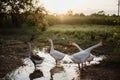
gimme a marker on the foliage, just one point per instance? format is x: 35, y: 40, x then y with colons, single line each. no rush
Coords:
x: 96, y: 18
x: 69, y: 13
x: 115, y: 56
x: 17, y: 13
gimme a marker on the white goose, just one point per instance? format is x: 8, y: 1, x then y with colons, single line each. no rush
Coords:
x: 90, y: 58
x: 81, y: 57
x: 57, y: 55
x: 34, y: 57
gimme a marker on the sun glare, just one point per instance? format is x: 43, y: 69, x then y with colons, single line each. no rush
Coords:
x: 60, y: 6
x: 84, y: 6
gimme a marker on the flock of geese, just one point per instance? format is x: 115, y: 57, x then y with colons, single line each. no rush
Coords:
x: 80, y: 57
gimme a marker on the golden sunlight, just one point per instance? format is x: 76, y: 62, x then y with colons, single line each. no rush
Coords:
x: 80, y: 6
x: 60, y: 6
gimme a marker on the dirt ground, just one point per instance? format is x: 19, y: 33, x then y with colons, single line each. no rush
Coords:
x: 95, y: 72
x: 10, y: 56
x: 10, y: 61
x: 100, y: 73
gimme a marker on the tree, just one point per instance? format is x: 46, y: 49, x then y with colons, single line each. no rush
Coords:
x: 70, y: 12
x: 14, y: 8
x: 101, y: 12
x: 82, y: 14
x: 17, y: 11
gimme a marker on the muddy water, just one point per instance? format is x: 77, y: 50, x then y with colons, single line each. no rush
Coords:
x: 67, y: 70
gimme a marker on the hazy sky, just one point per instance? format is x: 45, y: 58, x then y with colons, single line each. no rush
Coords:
x: 81, y: 6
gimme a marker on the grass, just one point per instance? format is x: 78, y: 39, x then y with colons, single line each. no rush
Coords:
x: 83, y: 28
x: 63, y: 35
x: 98, y: 20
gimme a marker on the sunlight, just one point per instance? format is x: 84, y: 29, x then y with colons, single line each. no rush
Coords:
x: 60, y: 6
x: 80, y: 6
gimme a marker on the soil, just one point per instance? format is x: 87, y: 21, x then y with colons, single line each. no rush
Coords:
x: 96, y: 72
x: 10, y: 56
x: 99, y: 72
x: 8, y: 63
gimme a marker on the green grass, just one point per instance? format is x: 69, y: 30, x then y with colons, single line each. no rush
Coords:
x: 81, y: 34
x: 83, y: 28
x: 98, y: 20
x: 63, y: 34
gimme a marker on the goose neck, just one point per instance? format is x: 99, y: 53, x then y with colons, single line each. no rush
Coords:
x: 51, y: 42
x: 95, y: 46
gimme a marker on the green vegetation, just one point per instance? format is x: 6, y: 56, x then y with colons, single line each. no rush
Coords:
x: 84, y: 35
x: 21, y: 14
x: 78, y: 19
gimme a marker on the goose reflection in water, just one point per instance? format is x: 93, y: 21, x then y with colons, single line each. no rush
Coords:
x: 56, y: 70
x: 36, y: 74
x: 34, y: 57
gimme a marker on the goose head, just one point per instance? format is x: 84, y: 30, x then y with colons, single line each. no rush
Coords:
x: 103, y: 43
x: 50, y: 40
x: 73, y: 43
x: 70, y: 42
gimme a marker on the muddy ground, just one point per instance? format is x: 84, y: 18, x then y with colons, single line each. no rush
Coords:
x: 10, y: 56
x: 9, y: 61
x: 95, y: 72
x: 100, y: 73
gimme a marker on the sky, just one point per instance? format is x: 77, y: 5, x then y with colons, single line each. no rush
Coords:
x: 80, y: 6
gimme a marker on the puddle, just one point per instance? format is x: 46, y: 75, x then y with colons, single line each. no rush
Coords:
x: 48, y: 70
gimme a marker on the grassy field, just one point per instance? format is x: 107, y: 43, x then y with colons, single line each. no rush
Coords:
x: 98, y: 20
x: 82, y: 28
x: 63, y: 35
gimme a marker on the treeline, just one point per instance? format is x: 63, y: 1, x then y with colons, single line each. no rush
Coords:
x: 23, y: 20
x: 22, y: 13
x: 77, y: 19
x: 25, y: 13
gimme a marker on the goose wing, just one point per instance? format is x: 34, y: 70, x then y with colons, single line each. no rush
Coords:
x: 81, y: 55
x: 57, y: 54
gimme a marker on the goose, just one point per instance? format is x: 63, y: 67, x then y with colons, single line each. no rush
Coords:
x: 90, y: 58
x: 34, y: 57
x: 57, y: 55
x: 81, y: 57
